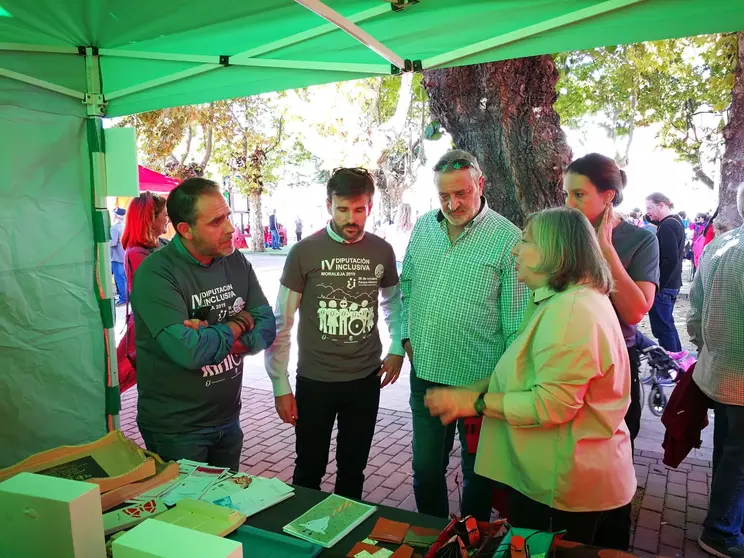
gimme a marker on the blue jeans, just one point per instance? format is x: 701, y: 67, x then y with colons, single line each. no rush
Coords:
x: 432, y: 444
x: 725, y: 518
x: 661, y: 317
x: 217, y: 445
x: 275, y: 244
x: 120, y: 278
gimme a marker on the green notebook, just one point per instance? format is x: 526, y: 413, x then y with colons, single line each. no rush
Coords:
x: 329, y: 521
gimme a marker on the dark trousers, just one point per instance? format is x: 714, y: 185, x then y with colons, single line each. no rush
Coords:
x: 319, y: 404
x: 525, y: 513
x: 613, y: 529
x: 725, y: 518
x: 299, y: 235
x: 661, y: 317
x: 120, y: 278
x: 217, y: 445
x: 432, y: 444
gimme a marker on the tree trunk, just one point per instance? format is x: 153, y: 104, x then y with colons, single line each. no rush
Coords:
x: 257, y: 230
x: 732, y: 165
x: 502, y: 112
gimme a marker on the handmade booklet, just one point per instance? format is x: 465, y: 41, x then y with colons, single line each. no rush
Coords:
x: 329, y: 521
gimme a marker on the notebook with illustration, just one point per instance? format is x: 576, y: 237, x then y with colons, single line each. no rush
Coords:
x: 329, y: 521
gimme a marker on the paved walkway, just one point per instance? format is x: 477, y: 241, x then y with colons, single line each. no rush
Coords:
x: 670, y: 504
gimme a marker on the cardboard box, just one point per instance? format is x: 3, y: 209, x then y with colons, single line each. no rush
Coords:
x: 46, y: 516
x: 157, y: 539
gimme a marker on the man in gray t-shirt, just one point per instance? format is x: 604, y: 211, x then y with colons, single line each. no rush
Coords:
x: 335, y: 278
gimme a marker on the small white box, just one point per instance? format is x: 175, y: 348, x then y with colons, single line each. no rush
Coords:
x: 157, y: 539
x: 43, y: 516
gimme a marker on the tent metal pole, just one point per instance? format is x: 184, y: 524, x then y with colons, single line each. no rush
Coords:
x: 307, y: 35
x: 104, y: 288
x: 526, y: 32
x: 166, y: 56
x: 354, y: 30
x: 383, y: 69
x: 162, y: 81
x: 246, y: 58
x: 41, y: 83
x: 22, y: 47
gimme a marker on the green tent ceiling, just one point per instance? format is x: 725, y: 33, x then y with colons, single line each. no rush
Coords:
x: 159, y: 53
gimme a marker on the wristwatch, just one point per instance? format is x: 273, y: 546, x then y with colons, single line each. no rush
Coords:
x: 480, y: 404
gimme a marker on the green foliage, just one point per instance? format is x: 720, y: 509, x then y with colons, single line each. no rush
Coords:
x: 670, y: 83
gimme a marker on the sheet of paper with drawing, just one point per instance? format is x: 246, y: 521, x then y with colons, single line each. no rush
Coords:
x: 260, y: 494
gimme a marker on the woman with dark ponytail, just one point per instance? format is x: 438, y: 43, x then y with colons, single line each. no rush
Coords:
x: 594, y: 185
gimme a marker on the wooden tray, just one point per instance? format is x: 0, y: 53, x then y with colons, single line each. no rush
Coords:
x: 110, y: 462
x: 164, y: 472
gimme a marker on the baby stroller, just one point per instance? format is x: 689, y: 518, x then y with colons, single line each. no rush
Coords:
x: 664, y: 369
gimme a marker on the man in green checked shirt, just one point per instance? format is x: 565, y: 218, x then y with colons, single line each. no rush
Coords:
x: 462, y: 306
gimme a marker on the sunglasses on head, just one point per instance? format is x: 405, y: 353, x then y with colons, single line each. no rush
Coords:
x: 356, y: 170
x: 457, y: 164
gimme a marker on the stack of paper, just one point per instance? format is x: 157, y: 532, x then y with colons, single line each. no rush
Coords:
x: 260, y: 494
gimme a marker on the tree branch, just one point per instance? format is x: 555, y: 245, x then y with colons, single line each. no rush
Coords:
x: 701, y: 175
x: 182, y: 162
x: 208, y: 143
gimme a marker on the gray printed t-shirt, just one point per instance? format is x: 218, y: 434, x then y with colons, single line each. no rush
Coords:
x: 337, y: 339
x: 638, y: 250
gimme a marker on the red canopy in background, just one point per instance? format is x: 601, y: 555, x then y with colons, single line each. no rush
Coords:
x: 151, y: 181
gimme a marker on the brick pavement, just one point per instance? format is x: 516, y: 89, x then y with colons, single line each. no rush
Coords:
x: 670, y: 504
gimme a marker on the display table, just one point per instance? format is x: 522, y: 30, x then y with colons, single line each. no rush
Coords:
x: 276, y: 517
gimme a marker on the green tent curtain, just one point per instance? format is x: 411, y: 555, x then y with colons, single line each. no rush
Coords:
x: 167, y: 53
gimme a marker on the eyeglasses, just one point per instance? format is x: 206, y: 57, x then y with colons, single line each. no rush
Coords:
x: 457, y: 164
x: 356, y: 170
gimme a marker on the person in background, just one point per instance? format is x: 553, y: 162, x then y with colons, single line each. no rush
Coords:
x: 117, y: 256
x: 335, y: 277
x: 683, y: 216
x: 594, y: 185
x: 715, y: 323
x: 563, y: 384
x: 648, y: 225
x: 198, y: 308
x: 298, y: 228
x: 462, y: 307
x: 274, y: 230
x: 398, y: 234
x: 671, y: 236
x: 636, y: 218
x: 147, y: 220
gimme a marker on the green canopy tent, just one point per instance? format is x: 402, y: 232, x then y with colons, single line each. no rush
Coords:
x: 66, y: 65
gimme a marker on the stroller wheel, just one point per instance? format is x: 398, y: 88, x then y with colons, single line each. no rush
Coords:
x: 657, y: 401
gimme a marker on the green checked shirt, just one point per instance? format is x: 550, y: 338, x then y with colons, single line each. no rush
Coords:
x: 462, y: 302
x: 715, y: 321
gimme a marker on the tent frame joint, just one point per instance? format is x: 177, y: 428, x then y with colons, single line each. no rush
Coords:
x: 87, y: 50
x: 400, y: 5
x: 224, y: 60
x: 96, y: 104
x: 409, y: 66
